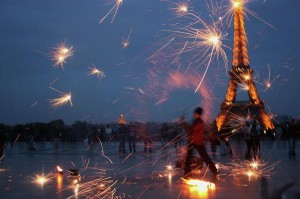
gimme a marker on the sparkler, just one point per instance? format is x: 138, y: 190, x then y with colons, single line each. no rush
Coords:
x: 64, y: 99
x: 95, y: 71
x: 61, y: 53
x: 113, y: 10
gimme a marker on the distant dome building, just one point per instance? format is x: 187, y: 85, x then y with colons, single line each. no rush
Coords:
x: 122, y: 119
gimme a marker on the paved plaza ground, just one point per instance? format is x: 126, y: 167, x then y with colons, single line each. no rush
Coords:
x: 139, y: 175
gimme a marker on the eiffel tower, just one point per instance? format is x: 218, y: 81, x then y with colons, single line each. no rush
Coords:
x: 241, y: 75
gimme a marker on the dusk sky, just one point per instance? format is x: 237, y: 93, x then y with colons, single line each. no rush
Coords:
x: 31, y: 28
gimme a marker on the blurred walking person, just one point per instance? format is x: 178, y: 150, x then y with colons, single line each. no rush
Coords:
x: 196, y: 140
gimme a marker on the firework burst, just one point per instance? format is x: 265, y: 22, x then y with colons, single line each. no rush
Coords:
x: 180, y: 9
x: 95, y: 71
x: 203, y: 40
x: 126, y: 41
x: 114, y: 10
x: 62, y: 100
x: 61, y: 53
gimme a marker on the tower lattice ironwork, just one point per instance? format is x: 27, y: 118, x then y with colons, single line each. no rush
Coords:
x: 241, y: 75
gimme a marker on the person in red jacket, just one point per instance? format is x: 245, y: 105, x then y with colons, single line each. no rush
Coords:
x: 196, y: 140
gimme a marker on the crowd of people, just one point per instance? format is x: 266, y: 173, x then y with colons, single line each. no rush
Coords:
x: 177, y: 134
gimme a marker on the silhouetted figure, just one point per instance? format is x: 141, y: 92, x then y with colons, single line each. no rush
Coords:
x: 164, y: 134
x: 255, y: 139
x: 123, y: 132
x: 132, y: 138
x: 148, y: 145
x: 31, y: 146
x: 196, y: 140
x: 292, y: 138
x: 224, y: 135
x: 248, y: 140
x: 2, y: 144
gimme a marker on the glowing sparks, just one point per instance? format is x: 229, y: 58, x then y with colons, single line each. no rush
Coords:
x: 247, y: 77
x: 95, y: 71
x: 61, y: 53
x: 59, y: 169
x: 62, y: 100
x: 200, y: 185
x: 236, y: 3
x: 268, y: 82
x: 169, y: 167
x: 252, y: 169
x: 203, y: 40
x: 126, y: 41
x: 181, y: 9
x: 114, y: 10
x: 41, y: 179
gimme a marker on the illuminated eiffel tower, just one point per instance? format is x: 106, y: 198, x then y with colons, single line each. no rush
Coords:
x: 241, y: 75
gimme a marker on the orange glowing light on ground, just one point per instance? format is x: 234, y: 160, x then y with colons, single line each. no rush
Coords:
x: 41, y: 179
x: 200, y: 185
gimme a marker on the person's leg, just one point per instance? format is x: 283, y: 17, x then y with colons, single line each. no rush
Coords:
x: 145, y: 146
x: 124, y: 142
x: 248, y: 150
x: 120, y: 146
x: 150, y: 146
x: 294, y: 146
x: 253, y: 148
x: 203, y: 153
x: 130, y: 145
x: 133, y: 144
x: 187, y: 164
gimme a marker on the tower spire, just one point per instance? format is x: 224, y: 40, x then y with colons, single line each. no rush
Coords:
x: 240, y: 49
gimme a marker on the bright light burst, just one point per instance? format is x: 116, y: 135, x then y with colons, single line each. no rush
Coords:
x: 42, y: 178
x: 253, y: 169
x: 62, y: 100
x: 200, y: 185
x: 204, y: 41
x: 126, y: 41
x: 113, y: 10
x: 95, y: 71
x: 61, y: 53
x: 180, y: 9
x: 268, y: 82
